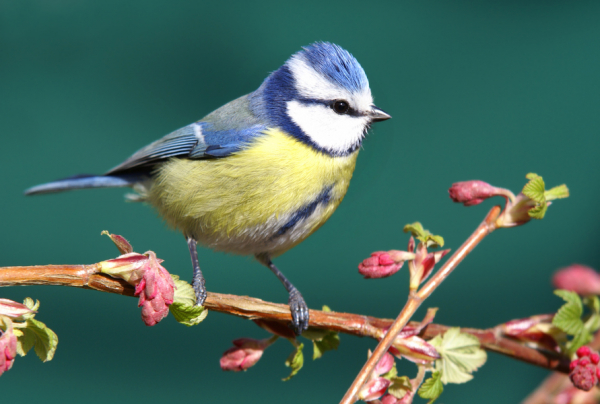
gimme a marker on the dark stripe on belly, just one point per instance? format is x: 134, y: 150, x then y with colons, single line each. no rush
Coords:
x: 306, y: 211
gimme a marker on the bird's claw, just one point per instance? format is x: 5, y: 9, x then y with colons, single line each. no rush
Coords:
x: 200, y: 292
x: 299, y: 312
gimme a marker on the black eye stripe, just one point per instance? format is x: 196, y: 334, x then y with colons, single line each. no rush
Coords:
x: 329, y: 104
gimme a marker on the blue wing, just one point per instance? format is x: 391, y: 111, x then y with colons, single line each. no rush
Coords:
x: 199, y: 140
x: 223, y: 132
x: 220, y: 134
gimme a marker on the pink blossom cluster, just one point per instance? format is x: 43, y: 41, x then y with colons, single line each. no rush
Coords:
x: 156, y: 291
x: 584, y: 370
x: 8, y: 349
x: 153, y: 283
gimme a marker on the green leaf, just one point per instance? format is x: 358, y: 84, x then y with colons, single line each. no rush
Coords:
x: 315, y: 334
x: 323, y: 340
x: 592, y: 321
x: 25, y: 341
x: 461, y: 355
x: 184, y: 293
x: 400, y: 386
x: 432, y: 388
x: 41, y: 338
x: 593, y: 302
x: 184, y: 308
x: 393, y: 372
x: 329, y: 342
x: 558, y: 192
x: 538, y: 211
x: 568, y: 317
x: 580, y: 339
x: 535, y: 188
x: 188, y: 315
x: 31, y: 306
x: 592, y: 324
x: 425, y: 236
x: 295, y: 361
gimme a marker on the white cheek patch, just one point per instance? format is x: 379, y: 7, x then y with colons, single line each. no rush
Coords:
x: 327, y: 129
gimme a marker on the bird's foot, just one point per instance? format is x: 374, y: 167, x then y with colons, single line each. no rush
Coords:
x: 299, y: 312
x: 199, y: 290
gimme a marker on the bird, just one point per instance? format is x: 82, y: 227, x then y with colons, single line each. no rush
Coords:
x: 261, y: 173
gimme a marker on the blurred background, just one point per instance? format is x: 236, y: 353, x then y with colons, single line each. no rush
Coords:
x: 477, y: 90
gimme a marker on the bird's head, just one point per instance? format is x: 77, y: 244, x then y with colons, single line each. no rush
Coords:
x: 321, y: 96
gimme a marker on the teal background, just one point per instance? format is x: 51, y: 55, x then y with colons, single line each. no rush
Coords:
x: 484, y: 90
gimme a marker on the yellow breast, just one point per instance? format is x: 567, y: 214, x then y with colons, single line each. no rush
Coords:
x: 238, y: 203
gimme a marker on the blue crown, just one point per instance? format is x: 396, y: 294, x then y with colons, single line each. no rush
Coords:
x: 336, y: 64
x: 333, y: 62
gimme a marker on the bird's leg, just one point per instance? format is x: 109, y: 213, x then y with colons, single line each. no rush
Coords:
x: 198, y: 280
x: 297, y: 305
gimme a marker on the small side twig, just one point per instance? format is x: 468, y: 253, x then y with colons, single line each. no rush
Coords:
x: 416, y: 298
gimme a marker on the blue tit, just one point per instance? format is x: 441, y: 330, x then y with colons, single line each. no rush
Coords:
x: 263, y: 172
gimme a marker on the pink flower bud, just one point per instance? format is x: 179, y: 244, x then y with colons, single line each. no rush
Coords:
x: 584, y: 377
x: 12, y: 309
x: 584, y: 351
x: 471, y: 192
x: 516, y: 212
x: 415, y: 349
x: 578, y: 278
x: 120, y: 242
x: 420, y: 268
x: 385, y: 364
x: 389, y: 399
x: 382, y: 264
x: 129, y: 267
x: 8, y: 348
x: 153, y: 283
x: 430, y: 260
x: 244, y: 354
x: 373, y: 389
x: 536, y: 329
x: 156, y: 291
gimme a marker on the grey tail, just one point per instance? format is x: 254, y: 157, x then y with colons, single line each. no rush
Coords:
x: 87, y: 181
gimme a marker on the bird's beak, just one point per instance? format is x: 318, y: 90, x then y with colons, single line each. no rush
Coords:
x: 378, y: 115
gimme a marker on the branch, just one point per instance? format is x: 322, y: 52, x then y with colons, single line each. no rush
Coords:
x: 416, y: 298
x: 87, y: 277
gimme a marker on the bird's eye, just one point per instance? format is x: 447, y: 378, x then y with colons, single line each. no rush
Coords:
x: 340, y: 106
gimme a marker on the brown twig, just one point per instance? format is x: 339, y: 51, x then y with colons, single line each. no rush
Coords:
x: 416, y: 298
x: 87, y: 276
